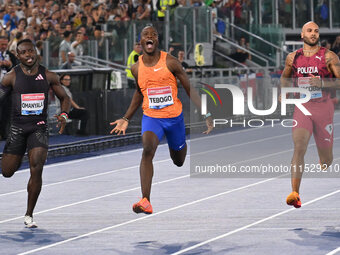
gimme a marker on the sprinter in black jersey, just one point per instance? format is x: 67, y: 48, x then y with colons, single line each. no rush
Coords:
x: 29, y: 83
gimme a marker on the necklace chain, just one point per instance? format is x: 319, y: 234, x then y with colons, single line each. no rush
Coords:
x: 310, y: 51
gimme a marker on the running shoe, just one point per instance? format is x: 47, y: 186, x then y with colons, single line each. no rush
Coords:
x: 143, y: 206
x: 29, y: 222
x: 294, y: 199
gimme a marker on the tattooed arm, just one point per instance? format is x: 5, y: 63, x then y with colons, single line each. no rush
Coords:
x: 333, y: 65
x: 287, y: 71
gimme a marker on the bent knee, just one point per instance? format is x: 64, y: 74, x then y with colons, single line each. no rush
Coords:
x: 326, y: 161
x: 7, y: 174
x: 300, y: 148
x: 37, y: 166
x: 149, y: 151
x: 178, y: 163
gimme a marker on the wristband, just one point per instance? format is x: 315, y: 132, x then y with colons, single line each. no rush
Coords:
x: 207, y: 115
x: 64, y: 115
x: 126, y: 119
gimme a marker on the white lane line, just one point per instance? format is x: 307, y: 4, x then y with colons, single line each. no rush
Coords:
x: 160, y: 161
x: 211, y: 136
x: 241, y: 144
x: 135, y: 188
x: 84, y: 177
x: 165, y: 211
x: 252, y: 224
x: 333, y: 251
x: 123, y: 191
x: 264, y: 156
x: 250, y: 129
x: 96, y: 198
x: 254, y: 141
x: 136, y: 150
x: 87, y: 159
x: 237, y: 132
x: 144, y: 217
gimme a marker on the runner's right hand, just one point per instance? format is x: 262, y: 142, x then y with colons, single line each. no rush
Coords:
x: 61, y: 123
x: 210, y: 125
x: 121, y: 126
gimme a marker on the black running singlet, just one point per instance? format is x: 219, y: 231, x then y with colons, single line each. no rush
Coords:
x: 29, y: 97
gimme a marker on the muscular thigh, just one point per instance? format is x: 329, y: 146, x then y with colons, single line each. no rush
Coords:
x: 153, y: 125
x: 302, y: 121
x: 14, y: 150
x: 175, y: 132
x: 16, y: 142
x: 323, y: 125
x: 38, y: 138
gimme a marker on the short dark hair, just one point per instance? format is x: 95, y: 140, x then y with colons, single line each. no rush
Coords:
x: 18, y: 35
x: 25, y: 41
x: 39, y: 43
x: 23, y: 19
x: 149, y: 26
x: 67, y: 34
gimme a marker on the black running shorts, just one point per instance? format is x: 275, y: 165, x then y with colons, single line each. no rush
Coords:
x: 25, y: 137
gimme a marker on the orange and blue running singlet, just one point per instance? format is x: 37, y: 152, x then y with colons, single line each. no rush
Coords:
x: 162, y: 110
x: 159, y: 88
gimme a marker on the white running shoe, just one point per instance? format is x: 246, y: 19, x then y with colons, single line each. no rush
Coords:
x: 29, y: 222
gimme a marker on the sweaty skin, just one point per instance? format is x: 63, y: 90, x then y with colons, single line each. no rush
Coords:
x: 301, y: 136
x: 10, y: 163
x: 151, y: 56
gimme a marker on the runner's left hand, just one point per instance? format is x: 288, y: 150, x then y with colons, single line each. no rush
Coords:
x: 315, y: 81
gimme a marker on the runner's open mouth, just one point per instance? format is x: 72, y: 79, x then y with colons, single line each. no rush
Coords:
x: 149, y: 44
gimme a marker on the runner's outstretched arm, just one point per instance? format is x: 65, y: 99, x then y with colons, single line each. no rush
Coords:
x: 122, y: 123
x: 176, y: 68
x: 65, y: 102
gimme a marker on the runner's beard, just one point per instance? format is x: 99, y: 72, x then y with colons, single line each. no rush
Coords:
x: 306, y: 41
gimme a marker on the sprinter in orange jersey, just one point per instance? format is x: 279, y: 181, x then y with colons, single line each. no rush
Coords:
x: 156, y: 73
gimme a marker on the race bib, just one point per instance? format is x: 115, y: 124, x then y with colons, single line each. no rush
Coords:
x: 303, y: 82
x: 32, y: 104
x: 160, y: 97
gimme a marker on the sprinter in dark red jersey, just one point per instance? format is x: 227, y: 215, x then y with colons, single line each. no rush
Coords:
x: 28, y: 84
x: 313, y: 68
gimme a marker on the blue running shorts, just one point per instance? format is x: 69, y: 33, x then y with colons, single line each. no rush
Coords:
x: 172, y: 128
